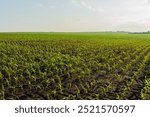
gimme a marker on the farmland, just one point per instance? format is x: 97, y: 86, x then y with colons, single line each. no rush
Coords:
x: 92, y: 66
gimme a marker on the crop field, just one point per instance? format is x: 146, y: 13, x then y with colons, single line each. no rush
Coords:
x: 74, y: 66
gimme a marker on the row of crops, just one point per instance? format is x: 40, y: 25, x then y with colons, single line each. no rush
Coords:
x: 74, y: 66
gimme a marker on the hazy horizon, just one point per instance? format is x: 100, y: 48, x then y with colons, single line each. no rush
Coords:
x: 74, y: 15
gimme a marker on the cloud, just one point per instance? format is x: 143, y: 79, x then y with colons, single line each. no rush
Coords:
x: 135, y: 25
x: 46, y: 6
x: 91, y: 8
x: 40, y: 5
x: 75, y: 2
x: 52, y: 7
x: 86, y: 5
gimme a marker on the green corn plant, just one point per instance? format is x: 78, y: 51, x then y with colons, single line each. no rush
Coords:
x: 2, y: 92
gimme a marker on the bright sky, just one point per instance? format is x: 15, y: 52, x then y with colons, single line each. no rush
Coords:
x: 74, y: 15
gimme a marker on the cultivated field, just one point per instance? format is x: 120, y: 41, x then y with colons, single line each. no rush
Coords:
x: 74, y: 66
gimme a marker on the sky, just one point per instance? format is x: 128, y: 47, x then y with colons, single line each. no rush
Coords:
x: 74, y: 15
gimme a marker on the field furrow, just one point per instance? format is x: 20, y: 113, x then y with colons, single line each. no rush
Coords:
x: 80, y: 66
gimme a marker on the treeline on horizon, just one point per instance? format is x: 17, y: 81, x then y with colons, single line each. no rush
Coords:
x: 148, y: 32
